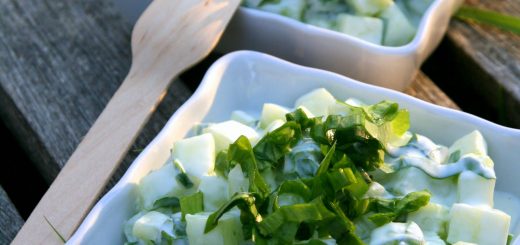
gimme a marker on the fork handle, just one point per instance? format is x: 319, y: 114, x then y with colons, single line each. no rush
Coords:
x: 84, y: 176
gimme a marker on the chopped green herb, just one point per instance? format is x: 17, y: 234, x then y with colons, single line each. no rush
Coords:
x: 192, y: 204
x: 172, y: 203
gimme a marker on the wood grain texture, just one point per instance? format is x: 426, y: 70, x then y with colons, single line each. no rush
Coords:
x: 60, y: 62
x: 481, y: 66
x: 55, y: 58
x: 423, y: 88
x: 10, y: 220
x: 168, y: 38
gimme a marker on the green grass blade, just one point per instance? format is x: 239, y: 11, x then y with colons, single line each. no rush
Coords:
x: 55, y: 230
x: 505, y: 22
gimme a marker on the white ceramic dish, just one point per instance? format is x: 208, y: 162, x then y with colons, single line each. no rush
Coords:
x: 392, y: 67
x: 245, y: 80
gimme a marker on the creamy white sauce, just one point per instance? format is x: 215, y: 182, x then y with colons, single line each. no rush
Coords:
x: 422, y: 153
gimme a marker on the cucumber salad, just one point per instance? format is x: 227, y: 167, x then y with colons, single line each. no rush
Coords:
x: 324, y: 172
x: 383, y: 22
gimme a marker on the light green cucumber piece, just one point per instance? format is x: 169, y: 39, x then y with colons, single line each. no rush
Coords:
x: 317, y: 102
x: 149, y: 226
x: 397, y: 233
x: 473, y: 142
x: 237, y: 181
x: 367, y: 28
x: 290, y: 8
x: 129, y: 227
x: 272, y: 112
x: 418, y: 6
x: 476, y: 224
x: 227, y: 232
x: 197, y: 154
x: 369, y: 7
x: 398, y: 29
x: 432, y: 218
x: 474, y: 189
x: 158, y: 184
x: 214, y: 189
x: 225, y: 133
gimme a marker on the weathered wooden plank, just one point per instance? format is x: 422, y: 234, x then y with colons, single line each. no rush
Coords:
x: 60, y: 62
x: 423, y: 88
x: 10, y: 220
x: 479, y: 66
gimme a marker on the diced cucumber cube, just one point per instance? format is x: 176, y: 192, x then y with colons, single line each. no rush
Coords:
x: 129, y: 227
x: 243, y: 117
x: 215, y: 195
x: 433, y: 239
x: 464, y: 243
x: 158, y: 184
x: 397, y: 233
x: 474, y: 189
x: 289, y: 8
x: 197, y: 154
x: 251, y: 3
x: 307, y: 112
x: 237, y: 181
x: 317, y: 102
x: 480, y: 225
x: 369, y: 7
x: 272, y: 112
x: 227, y: 232
x: 473, y: 142
x: 431, y: 218
x: 418, y: 6
x: 273, y: 126
x: 320, y: 21
x: 225, y: 133
x: 398, y: 29
x: 150, y: 226
x: 367, y: 28
x: 355, y: 102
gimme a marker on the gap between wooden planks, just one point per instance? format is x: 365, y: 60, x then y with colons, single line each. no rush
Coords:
x: 423, y: 88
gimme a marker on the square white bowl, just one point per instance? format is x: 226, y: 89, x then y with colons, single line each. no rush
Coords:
x: 244, y: 81
x: 304, y: 44
x: 391, y: 67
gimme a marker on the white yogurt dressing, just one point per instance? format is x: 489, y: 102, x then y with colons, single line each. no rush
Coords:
x: 422, y: 153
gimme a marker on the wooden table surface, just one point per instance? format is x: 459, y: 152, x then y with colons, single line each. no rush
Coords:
x: 60, y: 62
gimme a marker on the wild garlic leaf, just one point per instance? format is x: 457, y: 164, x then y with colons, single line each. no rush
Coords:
x: 273, y: 146
x: 241, y: 152
x: 382, y: 112
x: 167, y: 202
x: 222, y: 166
x: 244, y: 201
x: 192, y: 204
x: 387, y: 210
x: 295, y: 187
x: 301, y: 118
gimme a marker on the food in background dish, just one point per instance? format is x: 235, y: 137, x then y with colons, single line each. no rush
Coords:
x: 384, y: 22
x: 323, y: 172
